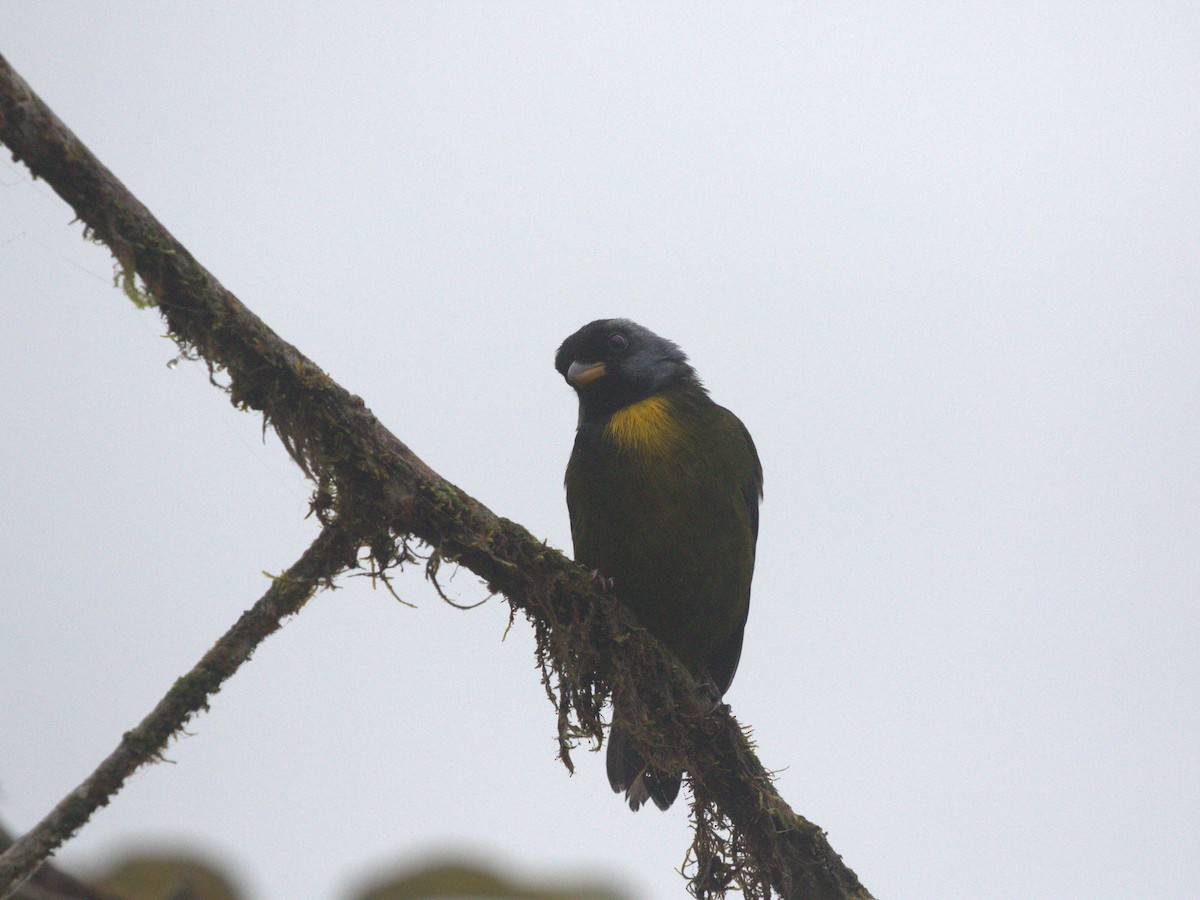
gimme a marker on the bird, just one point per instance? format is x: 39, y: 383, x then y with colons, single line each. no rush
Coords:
x: 663, y: 489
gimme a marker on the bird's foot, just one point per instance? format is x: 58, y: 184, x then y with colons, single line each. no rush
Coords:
x: 714, y: 693
x: 605, y: 584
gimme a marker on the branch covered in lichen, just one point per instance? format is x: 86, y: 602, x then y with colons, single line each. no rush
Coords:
x: 589, y: 646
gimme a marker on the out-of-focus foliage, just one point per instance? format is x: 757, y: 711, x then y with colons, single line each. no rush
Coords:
x: 177, y: 875
x: 166, y: 877
x: 450, y: 878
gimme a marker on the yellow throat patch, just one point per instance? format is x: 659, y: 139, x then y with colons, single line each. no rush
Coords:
x: 644, y: 427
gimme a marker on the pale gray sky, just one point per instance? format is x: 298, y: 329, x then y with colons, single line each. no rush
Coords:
x: 942, y: 259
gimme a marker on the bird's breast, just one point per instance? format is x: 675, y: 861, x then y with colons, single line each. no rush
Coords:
x: 646, y: 427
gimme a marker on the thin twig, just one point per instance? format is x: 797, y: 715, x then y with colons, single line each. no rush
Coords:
x: 328, y: 555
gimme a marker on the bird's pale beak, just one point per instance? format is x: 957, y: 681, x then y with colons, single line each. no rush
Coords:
x: 583, y: 374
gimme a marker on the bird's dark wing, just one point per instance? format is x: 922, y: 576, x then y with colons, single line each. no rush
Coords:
x: 752, y: 487
x: 722, y: 665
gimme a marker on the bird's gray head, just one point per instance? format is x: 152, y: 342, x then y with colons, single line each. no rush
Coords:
x: 612, y: 363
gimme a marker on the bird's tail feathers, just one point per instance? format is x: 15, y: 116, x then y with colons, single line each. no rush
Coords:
x: 628, y: 772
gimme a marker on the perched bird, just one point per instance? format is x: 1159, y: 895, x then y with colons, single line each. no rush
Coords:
x: 663, y: 487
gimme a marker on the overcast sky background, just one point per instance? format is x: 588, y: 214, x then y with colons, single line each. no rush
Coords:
x: 944, y: 262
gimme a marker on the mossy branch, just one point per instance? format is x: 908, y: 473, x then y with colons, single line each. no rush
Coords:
x: 371, y: 485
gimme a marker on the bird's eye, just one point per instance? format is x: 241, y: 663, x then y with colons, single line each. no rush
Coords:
x: 617, y: 342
